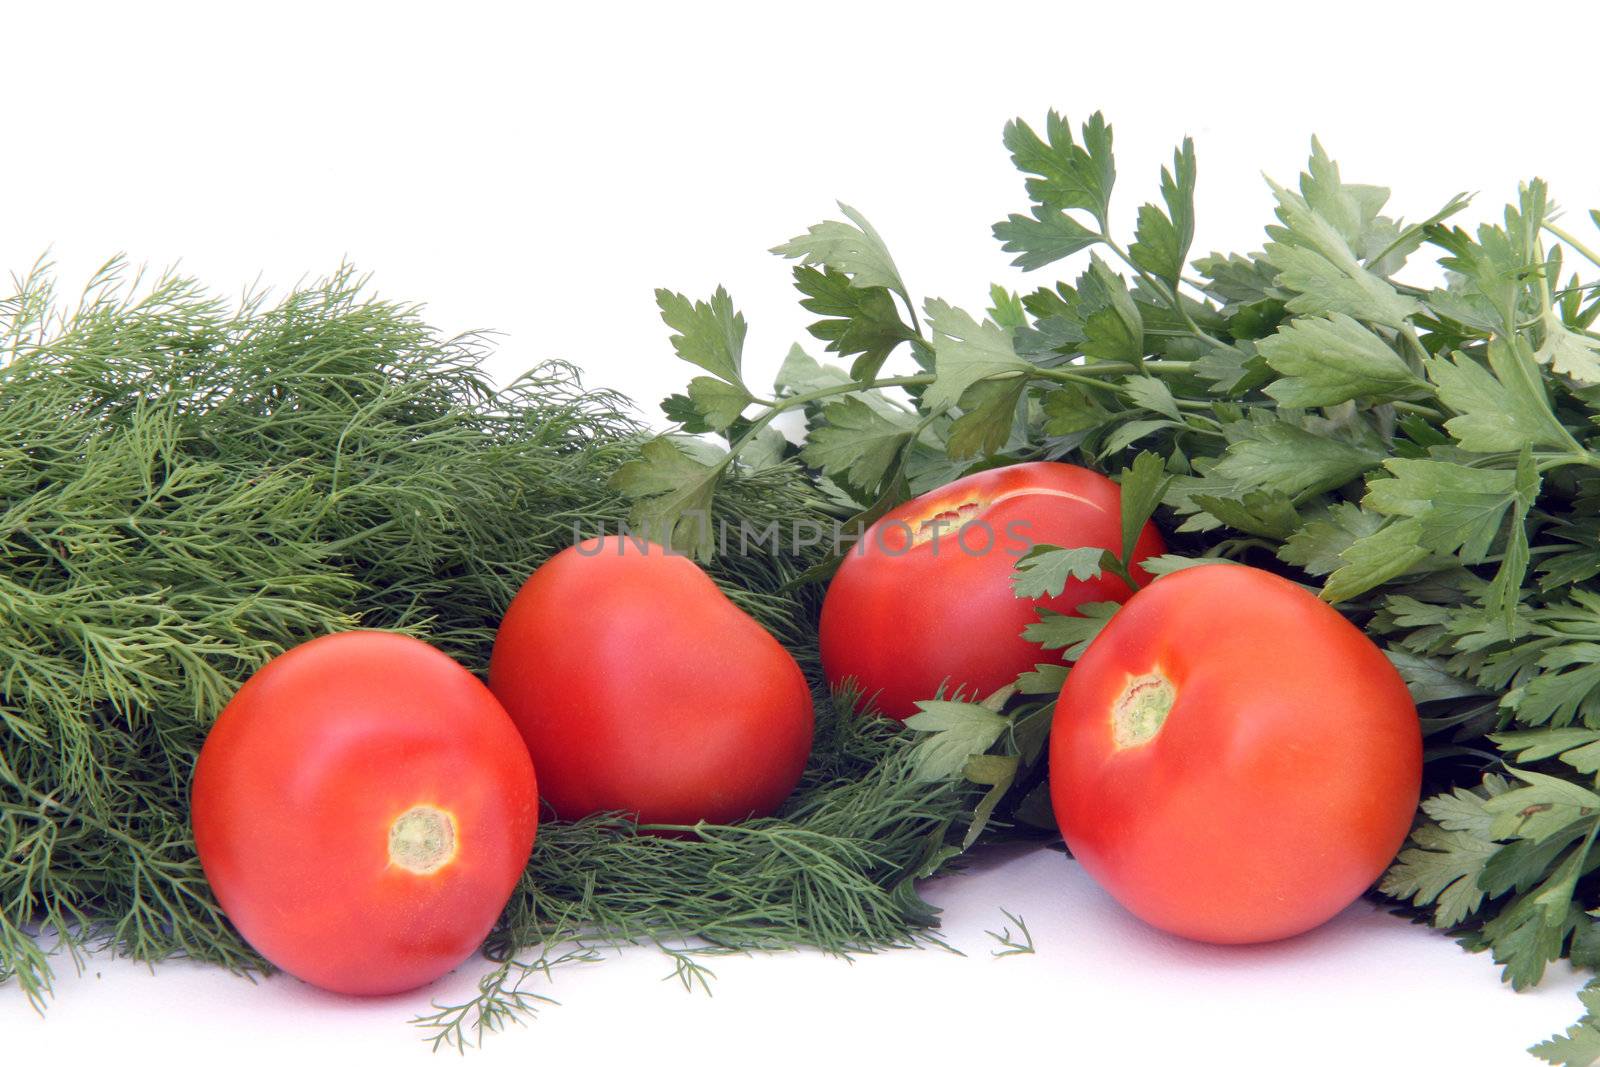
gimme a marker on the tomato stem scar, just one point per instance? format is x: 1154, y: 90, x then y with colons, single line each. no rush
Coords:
x: 949, y: 518
x: 422, y: 840
x: 1142, y: 709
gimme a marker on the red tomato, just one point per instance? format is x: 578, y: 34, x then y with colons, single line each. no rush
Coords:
x: 363, y: 809
x: 925, y: 597
x: 1232, y: 759
x: 640, y: 687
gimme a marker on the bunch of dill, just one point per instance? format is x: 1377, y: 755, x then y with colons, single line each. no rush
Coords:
x: 188, y: 487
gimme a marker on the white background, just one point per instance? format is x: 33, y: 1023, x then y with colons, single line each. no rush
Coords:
x: 542, y: 172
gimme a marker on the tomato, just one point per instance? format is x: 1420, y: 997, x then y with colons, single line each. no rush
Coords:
x: 639, y: 687
x: 363, y: 809
x: 1232, y: 759
x: 924, y: 599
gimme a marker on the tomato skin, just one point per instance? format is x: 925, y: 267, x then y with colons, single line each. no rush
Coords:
x: 299, y: 785
x: 902, y: 621
x: 639, y: 687
x: 1282, y: 782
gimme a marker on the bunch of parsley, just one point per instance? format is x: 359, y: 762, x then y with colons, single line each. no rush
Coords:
x: 1424, y: 453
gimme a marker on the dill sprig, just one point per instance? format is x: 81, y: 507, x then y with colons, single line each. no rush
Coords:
x: 1018, y: 944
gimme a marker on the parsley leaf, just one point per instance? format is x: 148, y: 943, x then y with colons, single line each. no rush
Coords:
x: 1317, y: 546
x: 1282, y: 457
x: 957, y: 731
x: 1143, y: 485
x: 854, y: 250
x: 1045, y: 570
x: 1050, y: 235
x: 673, y: 493
x: 1492, y: 417
x: 1069, y: 410
x: 1113, y: 326
x: 1316, y: 262
x: 717, y: 402
x: 1265, y: 513
x: 1567, y: 352
x: 1456, y: 508
x: 966, y: 352
x: 1579, y: 1046
x: 855, y: 321
x: 1161, y: 241
x: 1441, y: 870
x: 988, y: 415
x: 1375, y: 559
x: 709, y: 335
x: 1071, y: 633
x: 855, y: 441
x: 1152, y: 395
x: 1069, y: 175
x: 1327, y: 361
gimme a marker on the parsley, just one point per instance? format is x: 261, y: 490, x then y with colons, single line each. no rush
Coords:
x: 1426, y: 457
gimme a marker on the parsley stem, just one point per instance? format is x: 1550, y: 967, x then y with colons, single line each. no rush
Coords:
x: 1421, y: 410
x: 1577, y: 245
x: 1058, y: 374
x: 1164, y: 291
x: 1154, y: 366
x: 788, y: 403
x: 801, y: 399
x: 1568, y: 459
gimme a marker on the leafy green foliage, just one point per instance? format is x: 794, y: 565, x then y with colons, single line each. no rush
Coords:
x: 675, y: 490
x: 1070, y: 633
x: 1046, y: 569
x: 1161, y: 244
x: 989, y: 410
x: 1493, y: 417
x: 1326, y: 361
x: 966, y: 352
x: 855, y: 321
x: 1316, y: 262
x: 1067, y: 175
x: 187, y: 490
x: 707, y: 334
x: 1113, y: 324
x: 957, y: 732
x: 856, y: 441
x: 1279, y: 455
x: 1580, y: 1045
x: 1050, y: 234
x: 852, y: 248
x: 1143, y: 485
x: 1428, y: 456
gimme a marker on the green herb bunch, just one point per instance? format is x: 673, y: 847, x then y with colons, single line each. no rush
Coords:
x: 188, y: 488
x: 1424, y: 454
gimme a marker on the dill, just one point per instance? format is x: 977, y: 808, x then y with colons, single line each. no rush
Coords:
x: 188, y: 486
x: 1018, y: 944
x: 834, y: 870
